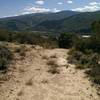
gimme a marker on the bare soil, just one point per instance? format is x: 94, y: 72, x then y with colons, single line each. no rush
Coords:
x: 29, y: 79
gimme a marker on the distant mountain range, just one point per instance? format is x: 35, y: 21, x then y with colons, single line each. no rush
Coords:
x: 64, y: 21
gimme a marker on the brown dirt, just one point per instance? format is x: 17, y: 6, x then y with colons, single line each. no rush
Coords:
x: 30, y: 79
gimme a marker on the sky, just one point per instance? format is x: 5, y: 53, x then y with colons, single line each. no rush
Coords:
x: 20, y: 7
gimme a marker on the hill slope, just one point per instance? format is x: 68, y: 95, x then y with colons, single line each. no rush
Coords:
x: 26, y: 22
x: 76, y: 23
x: 65, y: 21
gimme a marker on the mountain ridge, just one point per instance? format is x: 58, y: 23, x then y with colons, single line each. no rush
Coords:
x: 75, y: 23
x: 33, y: 19
x: 64, y: 21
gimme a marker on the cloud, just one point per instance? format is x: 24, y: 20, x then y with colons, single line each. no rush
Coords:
x: 93, y: 3
x: 10, y: 16
x: 40, y: 2
x: 29, y: 10
x: 55, y: 10
x: 33, y: 9
x: 59, y: 3
x: 69, y: 1
x: 92, y: 6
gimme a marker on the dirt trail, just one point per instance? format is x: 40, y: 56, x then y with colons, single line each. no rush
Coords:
x: 32, y: 81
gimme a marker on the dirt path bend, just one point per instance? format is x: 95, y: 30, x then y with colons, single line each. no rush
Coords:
x: 31, y: 79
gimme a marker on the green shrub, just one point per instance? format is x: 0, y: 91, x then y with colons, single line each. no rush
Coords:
x: 81, y: 58
x: 94, y: 73
x: 4, y: 35
x: 95, y: 43
x: 66, y: 40
x: 28, y: 38
x: 74, y: 56
x: 88, y: 62
x: 86, y: 54
x: 5, y: 57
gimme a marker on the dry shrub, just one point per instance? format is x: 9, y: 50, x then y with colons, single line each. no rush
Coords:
x: 52, y: 63
x: 45, y: 57
x: 21, y: 51
x: 53, y: 67
x: 44, y: 81
x: 29, y: 82
x: 20, y: 93
x: 54, y: 70
x: 53, y: 56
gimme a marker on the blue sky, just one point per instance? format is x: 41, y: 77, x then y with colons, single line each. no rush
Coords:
x: 19, y: 7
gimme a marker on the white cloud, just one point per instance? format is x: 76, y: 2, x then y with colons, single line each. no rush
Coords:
x: 10, y: 16
x: 55, y: 10
x: 33, y: 9
x: 60, y: 3
x: 40, y: 2
x: 93, y: 3
x: 92, y: 6
x: 29, y: 10
x: 70, y: 1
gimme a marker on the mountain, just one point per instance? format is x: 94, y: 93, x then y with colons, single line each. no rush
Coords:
x: 80, y: 23
x: 76, y: 23
x: 64, y: 21
x: 27, y: 22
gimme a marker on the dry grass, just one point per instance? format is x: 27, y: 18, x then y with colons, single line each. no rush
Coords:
x: 44, y: 81
x: 54, y: 70
x: 53, y: 56
x: 53, y: 67
x: 21, y: 50
x: 17, y: 99
x: 21, y: 70
x: 45, y: 57
x: 20, y: 93
x: 29, y: 82
x: 4, y: 77
x: 52, y: 63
